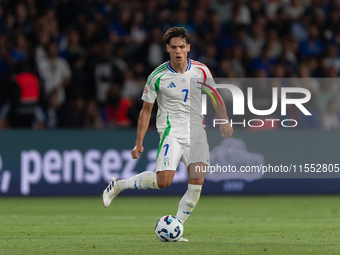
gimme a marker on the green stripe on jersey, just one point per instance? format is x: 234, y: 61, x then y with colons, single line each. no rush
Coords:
x: 157, y: 69
x: 155, y: 73
x: 157, y: 83
x: 166, y: 133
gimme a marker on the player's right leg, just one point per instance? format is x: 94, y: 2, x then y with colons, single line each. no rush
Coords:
x: 144, y: 180
x: 168, y: 156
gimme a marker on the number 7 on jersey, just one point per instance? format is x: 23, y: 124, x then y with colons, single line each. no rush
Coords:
x: 186, y: 94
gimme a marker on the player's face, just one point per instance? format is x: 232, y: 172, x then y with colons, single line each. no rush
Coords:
x: 178, y: 49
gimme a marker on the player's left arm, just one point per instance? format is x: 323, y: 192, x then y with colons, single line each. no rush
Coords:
x: 226, y: 129
x: 220, y: 108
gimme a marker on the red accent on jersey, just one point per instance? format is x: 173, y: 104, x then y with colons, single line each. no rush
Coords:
x: 204, y: 75
x: 193, y: 62
x: 212, y: 89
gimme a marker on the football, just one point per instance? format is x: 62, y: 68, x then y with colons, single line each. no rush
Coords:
x: 169, y: 229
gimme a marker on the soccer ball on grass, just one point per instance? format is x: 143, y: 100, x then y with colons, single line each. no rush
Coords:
x: 169, y: 229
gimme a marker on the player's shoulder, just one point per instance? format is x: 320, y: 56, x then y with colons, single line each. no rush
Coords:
x: 197, y: 64
x: 200, y: 66
x: 157, y: 72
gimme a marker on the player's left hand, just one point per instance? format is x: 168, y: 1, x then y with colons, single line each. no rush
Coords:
x: 226, y: 130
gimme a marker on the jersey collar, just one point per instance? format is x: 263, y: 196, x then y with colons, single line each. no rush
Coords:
x: 173, y: 71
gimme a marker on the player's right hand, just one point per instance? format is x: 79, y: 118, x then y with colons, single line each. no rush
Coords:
x: 137, y: 151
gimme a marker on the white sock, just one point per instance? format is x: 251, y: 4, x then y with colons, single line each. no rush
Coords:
x: 188, y: 202
x: 144, y: 180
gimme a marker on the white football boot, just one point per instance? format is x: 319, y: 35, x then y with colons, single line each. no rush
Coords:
x: 111, y: 192
x: 182, y: 239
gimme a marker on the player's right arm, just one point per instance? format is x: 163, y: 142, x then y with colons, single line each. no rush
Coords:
x: 142, y: 127
x: 149, y: 96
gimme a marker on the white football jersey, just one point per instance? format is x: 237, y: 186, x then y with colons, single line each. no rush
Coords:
x: 179, y: 100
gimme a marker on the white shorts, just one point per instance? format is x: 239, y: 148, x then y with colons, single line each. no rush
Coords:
x: 171, y: 150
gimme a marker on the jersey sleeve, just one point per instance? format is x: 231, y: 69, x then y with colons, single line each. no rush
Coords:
x: 210, y: 79
x: 149, y: 93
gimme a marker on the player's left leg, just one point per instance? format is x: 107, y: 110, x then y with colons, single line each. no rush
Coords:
x: 196, y: 158
x: 192, y: 195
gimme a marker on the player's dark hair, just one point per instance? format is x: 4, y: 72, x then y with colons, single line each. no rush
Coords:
x: 176, y: 32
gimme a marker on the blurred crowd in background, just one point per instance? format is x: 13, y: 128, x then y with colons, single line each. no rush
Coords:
x: 84, y: 63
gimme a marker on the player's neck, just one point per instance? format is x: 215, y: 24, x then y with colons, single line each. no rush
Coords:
x: 180, y: 67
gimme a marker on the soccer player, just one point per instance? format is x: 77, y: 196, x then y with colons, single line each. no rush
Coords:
x: 179, y: 123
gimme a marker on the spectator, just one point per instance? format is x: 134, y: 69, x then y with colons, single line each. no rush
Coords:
x: 138, y: 34
x: 22, y: 109
x: 313, y: 46
x: 181, y: 18
x: 22, y: 19
x: 257, y: 11
x: 120, y: 30
x: 223, y: 8
x: 92, y: 116
x: 263, y: 62
x: 73, y: 45
x: 73, y: 113
x: 209, y: 58
x: 299, y: 28
x: 55, y: 73
x: 119, y: 57
x: 325, y: 95
x: 274, y: 46
x: 243, y: 12
x: 106, y: 73
x: 330, y: 118
x: 308, y: 82
x: 44, y: 40
x: 237, y: 61
x: 80, y: 84
x: 117, y: 108
x: 5, y: 65
x: 131, y: 88
x: 281, y: 23
x: 287, y: 58
x: 295, y: 10
x: 20, y: 51
x: 53, y: 110
x: 332, y: 24
x: 256, y: 42
x: 332, y: 59
x: 153, y: 50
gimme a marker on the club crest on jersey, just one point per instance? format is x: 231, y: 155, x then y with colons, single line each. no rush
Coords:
x: 146, y: 90
x: 171, y: 85
x: 166, y: 162
x: 183, y: 80
x: 197, y: 84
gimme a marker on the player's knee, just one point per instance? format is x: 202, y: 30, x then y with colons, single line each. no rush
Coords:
x: 163, y: 183
x: 196, y: 181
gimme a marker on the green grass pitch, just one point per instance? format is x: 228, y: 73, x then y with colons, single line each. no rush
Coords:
x: 218, y: 225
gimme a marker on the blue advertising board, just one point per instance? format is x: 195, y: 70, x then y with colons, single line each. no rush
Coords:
x: 79, y: 162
